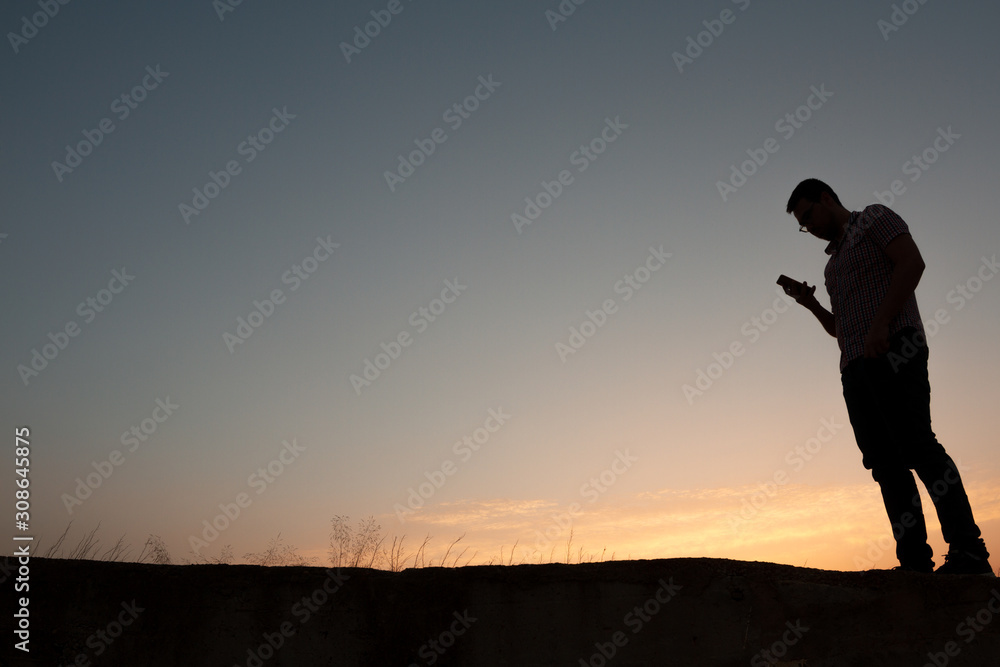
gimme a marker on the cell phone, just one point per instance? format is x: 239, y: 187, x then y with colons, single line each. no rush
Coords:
x: 792, y: 287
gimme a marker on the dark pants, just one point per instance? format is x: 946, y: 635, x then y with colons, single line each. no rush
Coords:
x: 888, y: 401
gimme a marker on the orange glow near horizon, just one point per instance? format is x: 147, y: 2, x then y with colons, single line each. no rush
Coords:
x: 836, y: 528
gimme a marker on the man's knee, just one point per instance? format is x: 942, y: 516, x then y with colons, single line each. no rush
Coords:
x: 885, y: 472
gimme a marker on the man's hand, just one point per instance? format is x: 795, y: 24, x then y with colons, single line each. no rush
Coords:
x: 803, y: 294
x: 877, y: 341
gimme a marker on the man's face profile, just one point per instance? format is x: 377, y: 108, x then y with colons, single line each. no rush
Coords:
x: 816, y: 216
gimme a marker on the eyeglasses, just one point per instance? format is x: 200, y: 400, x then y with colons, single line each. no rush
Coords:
x: 806, y: 216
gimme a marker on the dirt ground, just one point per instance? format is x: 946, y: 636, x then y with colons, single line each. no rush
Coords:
x: 689, y: 611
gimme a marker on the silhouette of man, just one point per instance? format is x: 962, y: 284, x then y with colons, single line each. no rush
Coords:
x: 873, y: 270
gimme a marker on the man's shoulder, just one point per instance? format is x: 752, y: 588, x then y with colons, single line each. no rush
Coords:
x: 878, y: 220
x: 877, y: 210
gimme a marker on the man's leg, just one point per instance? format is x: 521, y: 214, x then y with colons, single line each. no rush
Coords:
x: 906, y: 515
x: 928, y: 457
x: 881, y: 451
x: 944, y: 484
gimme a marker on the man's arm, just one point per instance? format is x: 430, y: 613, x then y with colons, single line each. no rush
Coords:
x: 908, y: 266
x: 825, y: 317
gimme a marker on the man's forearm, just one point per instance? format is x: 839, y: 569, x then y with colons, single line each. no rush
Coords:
x: 824, y: 316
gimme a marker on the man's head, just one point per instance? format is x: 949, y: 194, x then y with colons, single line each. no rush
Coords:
x: 817, y: 208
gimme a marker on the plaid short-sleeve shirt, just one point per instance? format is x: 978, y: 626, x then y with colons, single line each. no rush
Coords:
x: 857, y: 279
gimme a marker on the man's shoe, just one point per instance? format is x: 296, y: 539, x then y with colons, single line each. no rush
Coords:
x: 964, y: 562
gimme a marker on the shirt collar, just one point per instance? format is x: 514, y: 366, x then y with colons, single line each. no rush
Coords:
x: 834, y: 245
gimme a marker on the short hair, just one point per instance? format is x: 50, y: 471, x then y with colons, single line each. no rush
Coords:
x: 810, y: 190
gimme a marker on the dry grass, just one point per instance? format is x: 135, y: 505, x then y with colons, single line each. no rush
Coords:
x: 88, y: 548
x: 349, y: 547
x: 278, y: 554
x: 361, y: 545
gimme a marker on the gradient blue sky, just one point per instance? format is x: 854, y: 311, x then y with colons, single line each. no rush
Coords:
x: 692, y: 463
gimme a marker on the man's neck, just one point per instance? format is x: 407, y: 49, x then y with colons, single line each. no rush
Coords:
x: 841, y: 216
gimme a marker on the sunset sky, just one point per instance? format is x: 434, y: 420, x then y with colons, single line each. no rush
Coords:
x: 486, y: 270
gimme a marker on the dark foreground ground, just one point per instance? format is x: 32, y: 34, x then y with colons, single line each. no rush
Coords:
x: 689, y: 611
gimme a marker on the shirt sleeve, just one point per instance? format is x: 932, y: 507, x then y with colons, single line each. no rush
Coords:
x: 883, y: 225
